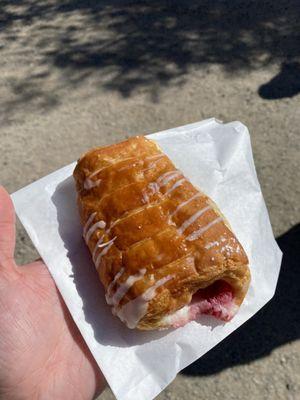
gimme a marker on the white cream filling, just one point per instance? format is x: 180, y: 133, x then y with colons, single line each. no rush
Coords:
x: 180, y: 315
x: 183, y: 315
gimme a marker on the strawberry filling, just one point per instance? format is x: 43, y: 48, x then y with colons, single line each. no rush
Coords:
x: 216, y: 300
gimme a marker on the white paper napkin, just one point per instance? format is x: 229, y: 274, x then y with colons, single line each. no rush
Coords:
x: 139, y: 365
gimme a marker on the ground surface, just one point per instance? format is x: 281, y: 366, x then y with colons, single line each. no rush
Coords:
x: 74, y: 74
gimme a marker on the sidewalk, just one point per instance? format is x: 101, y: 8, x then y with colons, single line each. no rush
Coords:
x: 79, y: 74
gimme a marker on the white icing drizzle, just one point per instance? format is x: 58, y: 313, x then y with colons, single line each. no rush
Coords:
x: 161, y: 177
x: 111, y: 226
x: 162, y: 181
x: 192, y: 219
x: 133, y: 311
x: 96, y: 172
x: 195, y: 235
x: 128, y: 166
x: 145, y: 197
x: 184, y: 203
x: 88, y: 183
x: 103, y: 252
x: 153, y: 163
x: 88, y: 223
x: 211, y: 244
x: 167, y: 177
x: 99, y: 244
x: 92, y: 229
x: 155, y: 156
x: 113, y: 282
x: 124, y: 287
x: 154, y: 187
x: 176, y: 184
x: 100, y: 240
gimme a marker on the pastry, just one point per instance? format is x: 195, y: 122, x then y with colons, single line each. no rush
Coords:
x: 163, y: 251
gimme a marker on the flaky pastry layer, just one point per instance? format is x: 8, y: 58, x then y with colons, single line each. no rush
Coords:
x: 162, y: 249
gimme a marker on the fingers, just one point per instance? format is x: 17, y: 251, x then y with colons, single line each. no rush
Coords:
x: 7, y: 229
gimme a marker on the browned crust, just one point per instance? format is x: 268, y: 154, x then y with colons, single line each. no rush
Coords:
x: 148, y: 237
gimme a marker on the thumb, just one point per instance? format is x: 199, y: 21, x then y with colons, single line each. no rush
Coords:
x: 7, y: 229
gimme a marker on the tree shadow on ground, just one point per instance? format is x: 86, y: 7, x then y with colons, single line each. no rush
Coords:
x: 276, y: 324
x: 285, y: 84
x: 126, y: 46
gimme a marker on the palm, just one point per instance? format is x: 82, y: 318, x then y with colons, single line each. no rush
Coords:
x: 42, y: 353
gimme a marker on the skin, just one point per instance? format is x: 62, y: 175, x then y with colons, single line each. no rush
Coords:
x: 42, y: 354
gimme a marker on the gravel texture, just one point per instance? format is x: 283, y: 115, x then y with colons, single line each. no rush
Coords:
x: 77, y: 74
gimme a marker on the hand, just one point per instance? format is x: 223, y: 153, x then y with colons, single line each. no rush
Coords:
x: 42, y: 354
